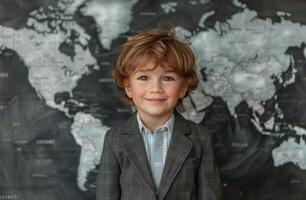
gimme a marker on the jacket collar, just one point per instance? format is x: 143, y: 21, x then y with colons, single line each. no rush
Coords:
x: 131, y: 126
x: 178, y: 151
x: 168, y: 124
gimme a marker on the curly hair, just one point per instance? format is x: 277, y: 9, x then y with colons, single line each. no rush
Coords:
x: 161, y: 47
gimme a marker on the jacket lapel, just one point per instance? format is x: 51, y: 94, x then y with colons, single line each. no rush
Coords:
x: 135, y: 150
x: 178, y: 151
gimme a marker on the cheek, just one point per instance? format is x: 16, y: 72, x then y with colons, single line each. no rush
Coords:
x: 138, y: 91
x: 174, y: 93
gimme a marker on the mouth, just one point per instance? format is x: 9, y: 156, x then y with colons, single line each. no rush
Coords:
x: 155, y: 100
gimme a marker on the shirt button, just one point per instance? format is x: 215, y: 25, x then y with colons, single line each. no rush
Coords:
x: 156, y: 164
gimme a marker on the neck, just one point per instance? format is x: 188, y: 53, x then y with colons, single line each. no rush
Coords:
x: 153, y: 122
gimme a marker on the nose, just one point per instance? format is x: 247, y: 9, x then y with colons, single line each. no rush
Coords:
x: 156, y: 87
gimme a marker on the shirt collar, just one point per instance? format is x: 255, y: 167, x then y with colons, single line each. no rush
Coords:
x: 168, y: 124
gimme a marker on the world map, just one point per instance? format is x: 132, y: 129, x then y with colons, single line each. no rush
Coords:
x: 58, y: 99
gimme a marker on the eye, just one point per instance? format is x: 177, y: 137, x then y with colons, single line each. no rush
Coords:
x: 142, y: 78
x: 168, y: 78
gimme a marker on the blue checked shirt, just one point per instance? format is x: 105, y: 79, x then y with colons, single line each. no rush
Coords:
x: 156, y: 145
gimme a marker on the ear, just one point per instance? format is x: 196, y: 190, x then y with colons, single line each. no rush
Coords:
x: 183, y: 91
x: 127, y: 88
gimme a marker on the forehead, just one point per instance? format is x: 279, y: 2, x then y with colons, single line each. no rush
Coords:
x: 150, y: 64
x: 152, y: 67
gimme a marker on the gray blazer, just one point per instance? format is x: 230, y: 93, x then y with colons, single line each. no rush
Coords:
x: 189, y: 172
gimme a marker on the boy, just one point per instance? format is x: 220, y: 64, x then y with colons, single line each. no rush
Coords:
x: 157, y: 154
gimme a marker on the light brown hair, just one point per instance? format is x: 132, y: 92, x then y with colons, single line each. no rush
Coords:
x: 161, y: 46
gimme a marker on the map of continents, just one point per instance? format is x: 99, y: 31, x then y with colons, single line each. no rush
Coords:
x: 58, y: 98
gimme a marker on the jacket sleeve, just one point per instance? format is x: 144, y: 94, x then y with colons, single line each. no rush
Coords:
x: 107, y: 185
x: 209, y: 184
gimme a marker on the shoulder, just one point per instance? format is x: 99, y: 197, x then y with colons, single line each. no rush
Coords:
x: 121, y: 132
x: 200, y: 129
x: 198, y: 132
x: 114, y: 132
x: 199, y: 135
x: 114, y: 139
x: 192, y: 127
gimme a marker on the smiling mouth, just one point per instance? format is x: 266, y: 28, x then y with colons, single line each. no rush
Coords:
x: 155, y: 100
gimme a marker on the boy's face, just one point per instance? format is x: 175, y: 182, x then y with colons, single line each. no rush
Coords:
x: 156, y: 92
